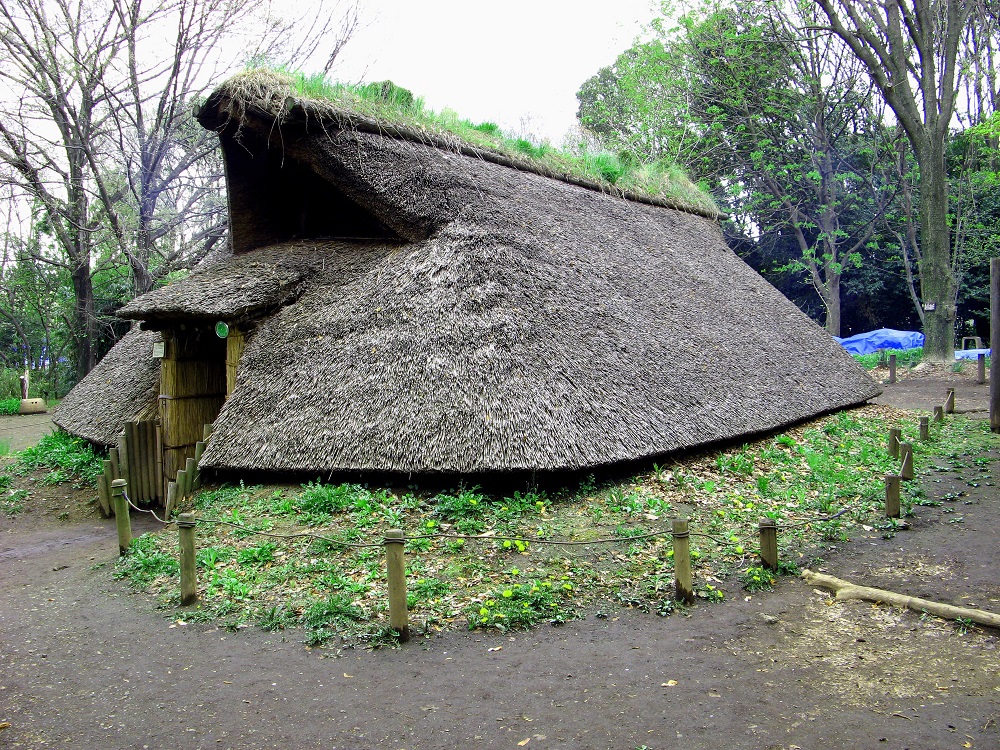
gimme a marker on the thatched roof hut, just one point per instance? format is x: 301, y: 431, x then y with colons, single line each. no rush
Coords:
x: 408, y: 303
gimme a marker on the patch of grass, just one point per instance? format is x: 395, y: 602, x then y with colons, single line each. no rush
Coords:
x: 904, y: 358
x: 833, y: 465
x: 9, y: 406
x: 519, y: 606
x: 68, y: 457
x: 12, y: 501
x: 757, y: 578
x: 146, y: 561
x: 387, y: 102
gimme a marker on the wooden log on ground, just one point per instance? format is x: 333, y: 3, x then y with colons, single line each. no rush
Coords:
x: 845, y: 590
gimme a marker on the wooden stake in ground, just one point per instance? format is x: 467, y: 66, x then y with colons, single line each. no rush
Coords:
x: 846, y: 590
x: 925, y: 428
x: 122, y: 520
x: 994, y: 332
x: 189, y: 572
x: 891, y: 496
x: 683, y: 586
x: 892, y: 368
x: 894, y: 435
x: 396, y: 570
x: 949, y: 402
x: 906, y: 461
x: 980, y: 368
x: 768, y: 543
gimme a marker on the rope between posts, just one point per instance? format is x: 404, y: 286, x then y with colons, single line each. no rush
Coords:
x: 143, y: 510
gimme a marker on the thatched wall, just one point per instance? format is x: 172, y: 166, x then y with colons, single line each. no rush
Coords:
x: 450, y: 314
x: 122, y: 388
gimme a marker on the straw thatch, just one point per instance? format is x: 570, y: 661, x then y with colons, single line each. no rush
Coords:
x: 410, y: 308
x: 122, y: 388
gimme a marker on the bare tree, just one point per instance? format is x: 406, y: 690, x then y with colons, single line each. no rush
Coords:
x: 911, y: 51
x: 95, y: 124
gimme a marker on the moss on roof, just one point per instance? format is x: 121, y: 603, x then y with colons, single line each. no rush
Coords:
x: 278, y: 92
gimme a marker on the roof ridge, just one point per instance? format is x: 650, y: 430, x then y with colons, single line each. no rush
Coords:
x: 264, y: 100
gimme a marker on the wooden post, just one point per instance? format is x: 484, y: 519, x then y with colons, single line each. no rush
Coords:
x: 158, y: 463
x: 189, y: 573
x: 104, y: 495
x: 894, y: 435
x: 891, y: 496
x: 906, y: 463
x: 191, y: 470
x: 182, y: 490
x: 199, y: 450
x: 116, y: 472
x: 938, y: 413
x: 768, y: 543
x: 994, y: 338
x: 925, y: 428
x: 949, y: 402
x: 892, y: 368
x: 981, y: 368
x: 171, y: 501
x: 207, y: 432
x: 122, y: 458
x: 134, y: 470
x: 396, y: 569
x: 122, y: 519
x: 683, y: 587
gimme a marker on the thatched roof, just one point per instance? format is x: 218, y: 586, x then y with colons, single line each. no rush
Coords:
x: 122, y: 388
x: 421, y: 310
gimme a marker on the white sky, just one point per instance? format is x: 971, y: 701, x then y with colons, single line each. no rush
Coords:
x: 499, y: 61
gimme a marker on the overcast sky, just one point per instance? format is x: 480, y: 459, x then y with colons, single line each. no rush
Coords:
x: 500, y: 61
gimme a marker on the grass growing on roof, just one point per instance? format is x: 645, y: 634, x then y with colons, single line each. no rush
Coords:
x: 831, y: 468
x: 387, y: 102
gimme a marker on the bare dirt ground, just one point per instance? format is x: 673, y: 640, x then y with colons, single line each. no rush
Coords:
x: 87, y: 665
x: 23, y: 431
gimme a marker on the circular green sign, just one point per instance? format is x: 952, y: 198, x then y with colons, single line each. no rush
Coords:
x: 221, y: 329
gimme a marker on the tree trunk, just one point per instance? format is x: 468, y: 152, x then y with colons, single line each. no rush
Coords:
x: 831, y: 298
x: 84, y: 321
x: 937, y: 282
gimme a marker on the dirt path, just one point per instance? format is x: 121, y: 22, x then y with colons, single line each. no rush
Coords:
x: 86, y: 665
x: 24, y: 430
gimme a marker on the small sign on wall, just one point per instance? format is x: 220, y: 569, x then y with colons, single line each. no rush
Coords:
x: 159, y: 350
x: 930, y: 306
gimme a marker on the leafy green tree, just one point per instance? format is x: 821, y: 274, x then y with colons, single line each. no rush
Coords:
x: 911, y: 53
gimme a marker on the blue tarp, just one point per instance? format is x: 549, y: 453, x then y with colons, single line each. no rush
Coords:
x: 883, y: 338
x: 971, y: 353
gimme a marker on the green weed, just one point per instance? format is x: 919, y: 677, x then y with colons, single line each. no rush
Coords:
x: 67, y: 456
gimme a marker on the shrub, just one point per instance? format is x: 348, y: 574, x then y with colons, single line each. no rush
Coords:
x: 9, y: 406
